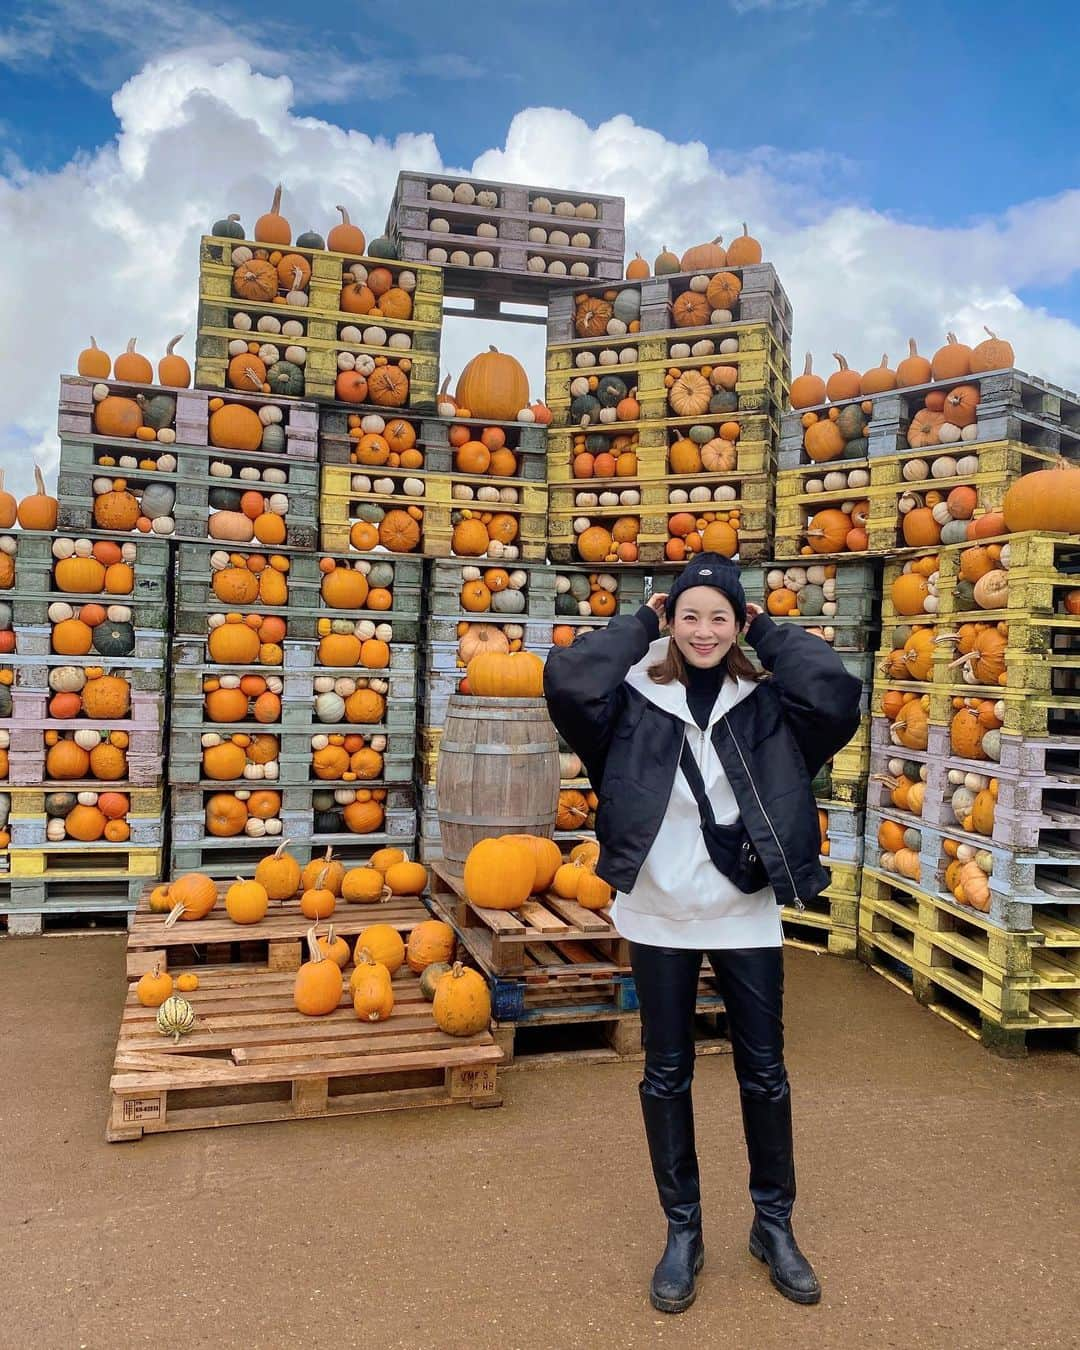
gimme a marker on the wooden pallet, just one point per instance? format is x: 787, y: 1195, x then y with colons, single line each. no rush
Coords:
x: 274, y: 944
x: 500, y: 938
x: 253, y: 1058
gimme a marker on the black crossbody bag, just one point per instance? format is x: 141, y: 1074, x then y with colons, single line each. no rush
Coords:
x: 730, y: 846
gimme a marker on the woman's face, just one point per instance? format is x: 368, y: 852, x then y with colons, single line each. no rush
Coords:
x: 704, y: 626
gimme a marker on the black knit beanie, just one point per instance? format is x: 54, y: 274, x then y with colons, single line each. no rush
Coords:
x: 710, y: 569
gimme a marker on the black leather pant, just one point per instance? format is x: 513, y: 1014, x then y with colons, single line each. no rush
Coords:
x: 751, y: 982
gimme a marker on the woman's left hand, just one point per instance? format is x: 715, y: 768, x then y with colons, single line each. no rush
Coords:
x: 752, y: 611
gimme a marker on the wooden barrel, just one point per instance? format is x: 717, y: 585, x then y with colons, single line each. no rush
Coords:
x: 498, y: 772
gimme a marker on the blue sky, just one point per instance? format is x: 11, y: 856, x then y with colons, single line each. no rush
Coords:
x: 939, y: 108
x: 910, y: 167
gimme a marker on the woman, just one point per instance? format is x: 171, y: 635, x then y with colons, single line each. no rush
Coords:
x: 702, y: 765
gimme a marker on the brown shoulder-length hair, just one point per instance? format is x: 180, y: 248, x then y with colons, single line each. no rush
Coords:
x: 736, y: 664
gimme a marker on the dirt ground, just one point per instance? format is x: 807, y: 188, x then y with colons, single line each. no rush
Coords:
x: 938, y: 1189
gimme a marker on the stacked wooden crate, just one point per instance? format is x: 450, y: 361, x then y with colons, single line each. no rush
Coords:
x: 319, y: 324
x: 505, y: 242
x: 535, y: 606
x: 970, y: 894
x: 83, y: 675
x: 666, y: 397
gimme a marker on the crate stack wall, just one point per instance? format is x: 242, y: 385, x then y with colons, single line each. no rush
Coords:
x: 83, y: 677
x: 968, y: 897
x: 317, y: 324
x: 666, y: 396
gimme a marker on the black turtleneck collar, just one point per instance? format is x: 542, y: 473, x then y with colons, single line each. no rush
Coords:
x: 702, y: 687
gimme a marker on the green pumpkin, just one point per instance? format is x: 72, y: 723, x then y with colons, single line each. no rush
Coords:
x: 627, y: 305
x: 610, y: 390
x: 382, y: 247
x: 912, y: 769
x: 964, y: 591
x: 596, y: 443
x: 59, y: 804
x: 565, y: 605
x: 724, y: 401
x: 508, y: 602
x: 701, y: 435
x: 286, y: 379
x: 954, y: 531
x: 430, y: 977
x: 851, y: 421
x: 114, y: 639
x: 585, y: 405
x: 5, y: 700
x: 381, y: 575
x: 811, y: 601
x: 229, y: 228
x: 579, y: 586
x: 857, y: 448
x: 323, y: 801
x: 6, y: 614
x: 273, y: 439
x: 158, y: 411
x: 224, y: 498
x: 158, y: 499
x: 310, y: 239
x: 900, y: 635
x: 372, y: 512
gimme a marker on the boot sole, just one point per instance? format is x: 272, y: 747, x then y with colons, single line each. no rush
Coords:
x: 678, y: 1305
x: 795, y: 1295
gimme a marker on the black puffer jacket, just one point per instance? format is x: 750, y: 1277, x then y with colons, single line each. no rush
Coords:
x: 771, y: 745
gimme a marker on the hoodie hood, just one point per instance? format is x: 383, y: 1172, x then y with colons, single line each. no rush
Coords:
x: 672, y: 697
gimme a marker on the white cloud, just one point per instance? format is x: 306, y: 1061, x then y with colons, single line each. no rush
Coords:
x: 109, y: 244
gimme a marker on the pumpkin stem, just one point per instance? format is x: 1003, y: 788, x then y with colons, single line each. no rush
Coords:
x: 314, y: 950
x: 912, y: 349
x: 385, y: 895
x: 281, y: 847
x: 344, y: 215
x: 321, y: 878
x: 174, y: 913
x: 131, y: 344
x: 884, y: 361
x: 951, y: 338
x: 172, y: 344
x: 808, y: 369
x: 493, y: 349
x: 275, y: 207
x: 841, y: 360
x: 988, y: 333
x: 744, y: 229
x: 233, y: 215
x: 93, y: 343
x: 40, y: 481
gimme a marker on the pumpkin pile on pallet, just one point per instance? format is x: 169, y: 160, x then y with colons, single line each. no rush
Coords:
x: 82, y: 682
x: 666, y: 394
x: 971, y: 883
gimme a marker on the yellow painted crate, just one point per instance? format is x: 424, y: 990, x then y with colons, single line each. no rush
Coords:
x: 324, y: 289
x: 655, y: 347
x: 756, y: 444
x: 337, y: 492
x: 28, y: 803
x: 73, y: 861
x: 754, y: 492
x: 436, y: 532
x: 753, y: 457
x: 652, y: 536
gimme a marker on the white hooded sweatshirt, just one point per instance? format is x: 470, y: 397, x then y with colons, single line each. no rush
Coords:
x: 679, y: 898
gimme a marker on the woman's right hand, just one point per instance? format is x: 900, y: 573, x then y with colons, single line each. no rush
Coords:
x: 656, y: 603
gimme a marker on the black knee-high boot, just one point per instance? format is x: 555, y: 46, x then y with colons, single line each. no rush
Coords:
x: 669, y: 1127
x: 767, y: 1124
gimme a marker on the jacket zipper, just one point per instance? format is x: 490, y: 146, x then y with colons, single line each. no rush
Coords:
x: 798, y: 903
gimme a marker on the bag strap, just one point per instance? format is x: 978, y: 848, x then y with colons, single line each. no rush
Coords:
x: 692, y: 774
